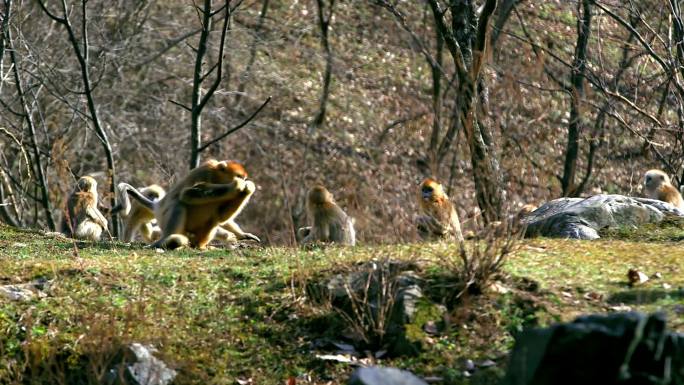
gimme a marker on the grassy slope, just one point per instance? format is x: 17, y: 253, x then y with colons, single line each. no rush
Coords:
x: 221, y: 315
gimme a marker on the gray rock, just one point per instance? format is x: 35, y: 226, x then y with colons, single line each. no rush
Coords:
x: 618, y: 349
x: 140, y: 367
x: 384, y: 376
x: 582, y: 218
x: 26, y: 291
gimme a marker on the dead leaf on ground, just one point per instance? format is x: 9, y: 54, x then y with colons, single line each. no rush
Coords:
x: 635, y: 276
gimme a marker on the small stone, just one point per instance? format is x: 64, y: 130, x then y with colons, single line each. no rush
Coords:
x: 144, y: 369
x: 667, y: 286
x: 469, y: 365
x: 16, y: 293
x: 657, y: 275
x: 486, y: 364
x: 499, y: 288
x: 620, y: 308
x: 430, y: 327
x: 376, y: 375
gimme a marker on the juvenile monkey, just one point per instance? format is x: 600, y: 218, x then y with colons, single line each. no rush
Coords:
x: 83, y: 219
x: 140, y: 219
x: 657, y: 185
x: 438, y: 219
x: 190, y: 213
x: 329, y: 222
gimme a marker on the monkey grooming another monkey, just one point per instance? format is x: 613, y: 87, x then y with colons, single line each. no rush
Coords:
x: 439, y: 220
x: 210, y: 196
x: 657, y: 185
x: 329, y: 222
x: 83, y: 220
x: 140, y: 219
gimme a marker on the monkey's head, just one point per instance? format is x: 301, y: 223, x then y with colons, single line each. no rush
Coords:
x: 653, y: 179
x: 222, y: 171
x: 86, y: 184
x: 431, y: 190
x: 153, y: 192
x: 319, y: 195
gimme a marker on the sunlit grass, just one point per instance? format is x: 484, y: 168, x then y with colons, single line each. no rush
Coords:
x: 220, y: 315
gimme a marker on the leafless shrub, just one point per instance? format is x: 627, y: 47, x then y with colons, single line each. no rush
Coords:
x: 371, y: 307
x: 367, y: 298
x: 479, y: 260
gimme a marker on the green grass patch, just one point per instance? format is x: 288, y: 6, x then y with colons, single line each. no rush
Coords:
x: 220, y: 316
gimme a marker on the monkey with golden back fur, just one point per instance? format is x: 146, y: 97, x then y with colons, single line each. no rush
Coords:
x: 657, y: 185
x: 438, y: 219
x: 83, y: 220
x: 329, y: 222
x: 140, y: 219
x: 190, y: 214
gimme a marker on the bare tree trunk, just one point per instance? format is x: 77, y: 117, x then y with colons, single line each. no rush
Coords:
x: 82, y: 55
x: 597, y: 137
x: 467, y: 41
x: 28, y: 117
x: 199, y: 101
x: 436, y: 70
x: 324, y: 24
x: 252, y: 54
x: 503, y: 13
x: 577, y: 94
x: 5, y: 216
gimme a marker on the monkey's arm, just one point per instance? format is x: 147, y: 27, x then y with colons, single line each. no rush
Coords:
x: 303, y: 232
x: 429, y: 226
x: 456, y: 226
x: 203, y: 193
x: 94, y: 215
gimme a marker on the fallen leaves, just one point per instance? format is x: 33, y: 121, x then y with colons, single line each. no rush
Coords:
x: 635, y: 277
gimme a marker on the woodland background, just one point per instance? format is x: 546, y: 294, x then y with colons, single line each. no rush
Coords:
x: 574, y: 98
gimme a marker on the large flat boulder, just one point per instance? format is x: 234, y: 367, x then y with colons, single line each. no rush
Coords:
x: 582, y: 218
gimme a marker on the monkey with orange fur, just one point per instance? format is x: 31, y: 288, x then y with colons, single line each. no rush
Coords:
x: 438, y: 219
x: 83, y: 220
x: 329, y: 222
x: 140, y: 219
x: 657, y: 185
x: 190, y: 214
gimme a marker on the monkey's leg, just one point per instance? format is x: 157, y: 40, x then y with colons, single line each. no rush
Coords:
x: 173, y: 225
x: 225, y: 235
x: 149, y: 231
x: 233, y: 227
x: 129, y: 231
x: 88, y: 230
x: 203, y: 239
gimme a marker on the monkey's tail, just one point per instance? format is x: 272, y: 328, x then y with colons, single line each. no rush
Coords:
x: 125, y: 190
x: 116, y: 209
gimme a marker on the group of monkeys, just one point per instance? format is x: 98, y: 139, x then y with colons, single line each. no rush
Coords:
x: 199, y: 208
x: 203, y: 206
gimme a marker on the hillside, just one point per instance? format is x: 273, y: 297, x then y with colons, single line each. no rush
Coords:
x: 376, y: 141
